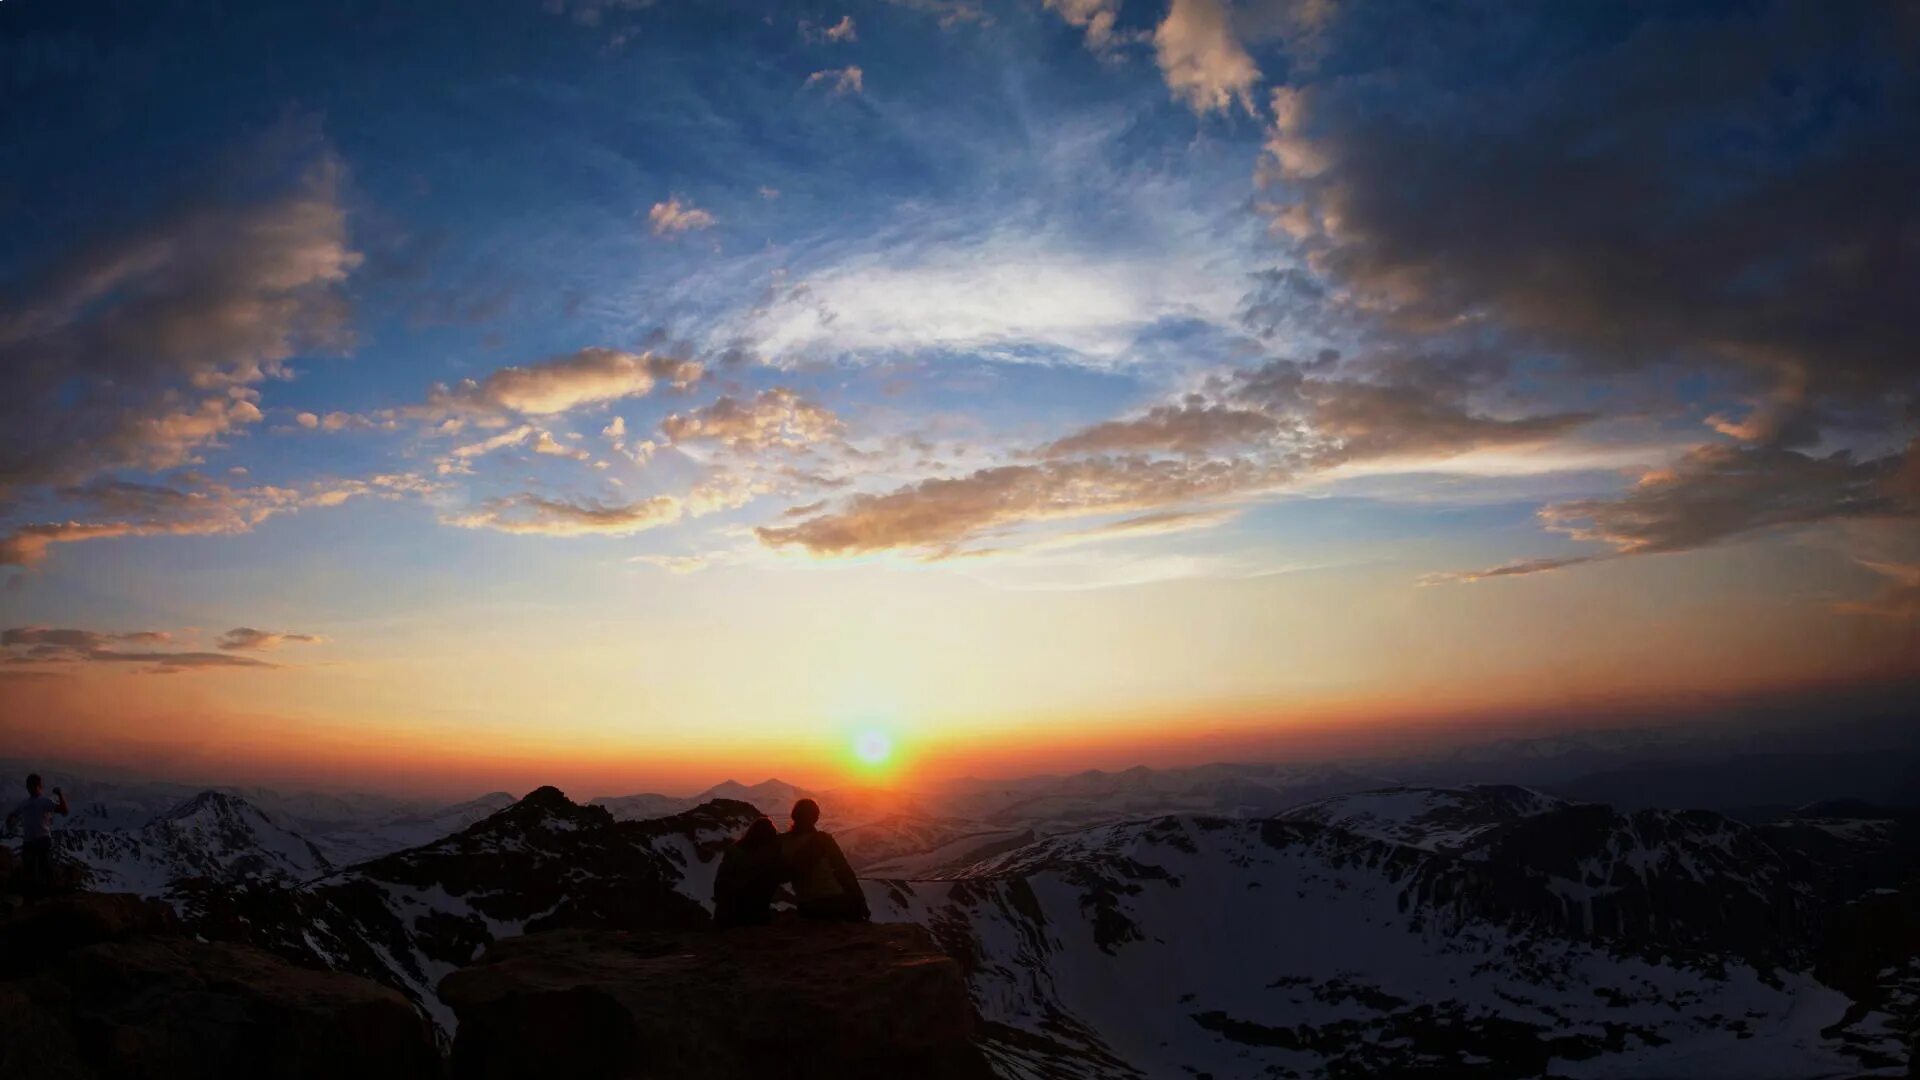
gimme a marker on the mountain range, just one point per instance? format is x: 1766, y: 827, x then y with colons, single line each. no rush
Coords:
x: 1172, y: 923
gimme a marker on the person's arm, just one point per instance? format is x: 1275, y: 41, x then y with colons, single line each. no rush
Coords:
x: 843, y: 871
x: 60, y: 801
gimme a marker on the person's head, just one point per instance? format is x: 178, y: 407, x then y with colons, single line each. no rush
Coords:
x: 33, y: 783
x: 758, y: 833
x: 806, y: 814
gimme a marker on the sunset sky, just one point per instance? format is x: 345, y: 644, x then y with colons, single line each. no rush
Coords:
x: 641, y: 393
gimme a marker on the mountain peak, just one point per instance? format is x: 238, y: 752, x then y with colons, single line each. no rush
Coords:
x: 210, y: 802
x: 546, y: 795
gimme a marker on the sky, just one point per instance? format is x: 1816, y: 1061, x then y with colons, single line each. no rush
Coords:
x: 638, y: 393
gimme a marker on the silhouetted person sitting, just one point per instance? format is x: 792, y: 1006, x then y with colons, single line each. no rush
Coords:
x: 36, y: 849
x: 751, y: 871
x: 823, y: 884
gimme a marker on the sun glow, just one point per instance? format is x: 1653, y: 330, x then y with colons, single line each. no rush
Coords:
x: 873, y: 746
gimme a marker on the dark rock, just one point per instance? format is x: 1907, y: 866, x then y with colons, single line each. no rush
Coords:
x: 165, y: 1007
x: 35, y: 934
x: 791, y: 999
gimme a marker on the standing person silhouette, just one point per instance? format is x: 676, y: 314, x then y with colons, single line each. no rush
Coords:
x: 823, y: 883
x: 36, y: 848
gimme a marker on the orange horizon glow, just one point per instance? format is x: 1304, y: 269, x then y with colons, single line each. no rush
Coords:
x: 237, y: 749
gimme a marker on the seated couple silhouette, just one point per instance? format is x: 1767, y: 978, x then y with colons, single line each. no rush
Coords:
x: 756, y: 865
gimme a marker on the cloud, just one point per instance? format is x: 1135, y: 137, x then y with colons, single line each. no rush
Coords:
x: 1595, y: 203
x: 951, y: 14
x: 70, y: 640
x: 547, y: 444
x: 1251, y: 431
x: 1898, y: 598
x: 1519, y: 568
x: 671, y: 217
x: 167, y: 663
x: 246, y: 638
x: 935, y: 516
x: 118, y: 508
x: 841, y: 31
x: 587, y: 377
x: 1096, y: 17
x: 1187, y: 428
x: 533, y: 515
x: 775, y: 417
x: 1719, y: 493
x: 1013, y: 294
x: 333, y: 422
x: 141, y: 348
x: 49, y: 645
x: 1203, y: 62
x: 839, y: 81
x: 1159, y: 523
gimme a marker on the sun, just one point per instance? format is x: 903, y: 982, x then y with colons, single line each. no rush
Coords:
x: 873, y: 746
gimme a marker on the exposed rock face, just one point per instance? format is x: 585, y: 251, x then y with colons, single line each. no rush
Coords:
x: 791, y: 999
x: 36, y: 935
x: 107, y: 988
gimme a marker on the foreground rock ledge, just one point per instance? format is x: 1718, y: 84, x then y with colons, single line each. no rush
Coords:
x: 103, y: 985
x: 792, y: 999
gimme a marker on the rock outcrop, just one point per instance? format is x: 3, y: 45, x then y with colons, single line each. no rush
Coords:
x: 791, y: 999
x: 37, y: 934
x: 104, y: 985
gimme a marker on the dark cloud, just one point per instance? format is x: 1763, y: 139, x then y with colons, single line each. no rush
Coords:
x: 54, y: 645
x: 113, y: 508
x: 141, y: 347
x: 249, y: 639
x: 69, y: 640
x: 1897, y: 598
x: 1730, y: 189
x: 1719, y: 493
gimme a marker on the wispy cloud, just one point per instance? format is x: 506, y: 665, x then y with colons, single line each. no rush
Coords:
x: 249, y: 639
x: 535, y: 515
x: 839, y: 81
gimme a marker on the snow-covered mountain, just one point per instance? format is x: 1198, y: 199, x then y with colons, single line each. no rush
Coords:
x: 1490, y: 931
x: 396, y: 830
x: 409, y: 918
x: 212, y: 835
x: 1493, y: 929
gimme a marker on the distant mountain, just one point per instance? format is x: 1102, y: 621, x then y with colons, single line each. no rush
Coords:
x: 872, y: 826
x: 1051, y: 804
x: 1434, y: 819
x: 398, y: 830
x: 212, y: 835
x: 409, y: 918
x: 1489, y: 930
x: 774, y: 798
x: 1755, y: 785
